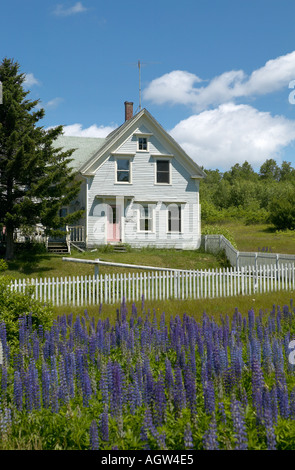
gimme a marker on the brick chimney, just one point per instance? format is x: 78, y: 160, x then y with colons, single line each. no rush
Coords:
x: 128, y: 110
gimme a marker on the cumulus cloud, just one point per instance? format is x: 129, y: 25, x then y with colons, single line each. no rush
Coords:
x: 61, y: 10
x: 30, y: 80
x: 232, y: 133
x: 182, y: 87
x: 92, y: 131
x: 54, y: 103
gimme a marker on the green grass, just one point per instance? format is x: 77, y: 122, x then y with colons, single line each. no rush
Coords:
x: 41, y: 265
x: 213, y: 307
x: 255, y: 237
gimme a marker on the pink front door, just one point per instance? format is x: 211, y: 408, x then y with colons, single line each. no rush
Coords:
x: 114, y: 224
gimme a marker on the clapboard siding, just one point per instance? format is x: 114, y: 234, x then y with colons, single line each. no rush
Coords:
x: 142, y: 189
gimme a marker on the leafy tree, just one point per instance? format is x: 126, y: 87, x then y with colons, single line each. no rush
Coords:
x: 287, y: 173
x: 282, y: 211
x: 269, y: 170
x: 35, y: 178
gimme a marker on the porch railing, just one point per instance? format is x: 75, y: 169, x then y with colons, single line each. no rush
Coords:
x: 76, y: 233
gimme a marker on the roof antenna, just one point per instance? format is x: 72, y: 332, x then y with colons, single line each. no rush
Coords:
x: 139, y: 79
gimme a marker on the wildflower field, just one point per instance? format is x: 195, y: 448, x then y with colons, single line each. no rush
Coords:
x: 148, y: 383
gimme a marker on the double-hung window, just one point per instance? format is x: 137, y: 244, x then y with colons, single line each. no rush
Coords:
x: 142, y: 143
x: 145, y: 218
x: 163, y: 171
x: 123, y: 171
x: 174, y: 219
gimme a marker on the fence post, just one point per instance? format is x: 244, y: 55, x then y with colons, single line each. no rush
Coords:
x: 96, y: 269
x: 237, y: 259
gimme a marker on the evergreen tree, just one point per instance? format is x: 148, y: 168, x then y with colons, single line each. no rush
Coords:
x: 35, y: 178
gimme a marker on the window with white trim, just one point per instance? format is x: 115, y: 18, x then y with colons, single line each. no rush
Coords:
x: 163, y: 171
x: 174, y: 219
x: 142, y: 143
x: 145, y: 218
x: 123, y: 170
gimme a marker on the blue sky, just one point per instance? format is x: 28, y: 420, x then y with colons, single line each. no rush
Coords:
x: 216, y: 74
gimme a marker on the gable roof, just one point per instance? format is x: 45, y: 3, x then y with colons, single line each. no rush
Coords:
x: 89, y: 151
x: 85, y: 148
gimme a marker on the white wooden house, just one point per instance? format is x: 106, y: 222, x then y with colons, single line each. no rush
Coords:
x: 138, y: 187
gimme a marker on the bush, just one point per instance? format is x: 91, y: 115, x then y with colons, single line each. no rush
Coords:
x: 219, y: 230
x: 14, y: 305
x: 282, y: 212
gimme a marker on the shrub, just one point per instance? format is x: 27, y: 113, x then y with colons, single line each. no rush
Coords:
x: 282, y: 212
x: 14, y: 305
x: 219, y: 230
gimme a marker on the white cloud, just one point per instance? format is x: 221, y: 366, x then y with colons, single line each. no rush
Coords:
x: 61, y: 10
x: 54, y: 103
x: 31, y: 80
x: 179, y: 87
x: 231, y: 134
x: 92, y: 131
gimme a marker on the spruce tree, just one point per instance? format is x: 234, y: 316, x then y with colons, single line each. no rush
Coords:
x: 36, y: 180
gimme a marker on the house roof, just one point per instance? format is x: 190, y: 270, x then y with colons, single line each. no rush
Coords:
x: 89, y: 150
x: 85, y: 148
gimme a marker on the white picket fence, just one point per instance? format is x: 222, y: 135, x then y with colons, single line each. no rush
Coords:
x: 112, y: 288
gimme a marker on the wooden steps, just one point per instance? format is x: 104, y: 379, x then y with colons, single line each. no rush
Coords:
x: 57, y: 247
x: 120, y: 248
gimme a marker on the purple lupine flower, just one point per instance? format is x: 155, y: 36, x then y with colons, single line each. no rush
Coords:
x: 209, y: 397
x: 36, y: 348
x: 267, y: 354
x: 5, y: 346
x: 283, y: 400
x: 18, y: 391
x: 103, y: 385
x: 3, y: 383
x: 116, y: 388
x: 92, y: 347
x: 179, y: 393
x: 144, y: 438
x: 159, y: 401
x: 35, y: 386
x: 278, y: 357
x: 278, y: 319
x: 63, y: 393
x: 292, y: 403
x: 229, y: 380
x: 257, y: 387
x: 93, y: 433
x: 86, y: 388
x: 53, y: 386
x: 251, y: 321
x: 148, y: 387
x: 239, y: 425
x: 188, y: 438
x: 5, y: 421
x: 190, y: 389
x: 268, y: 420
x: 274, y: 404
x: 70, y: 372
x: 221, y: 411
x: 130, y: 341
x: 148, y: 426
x: 45, y: 379
x: 210, y: 441
x: 104, y: 425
